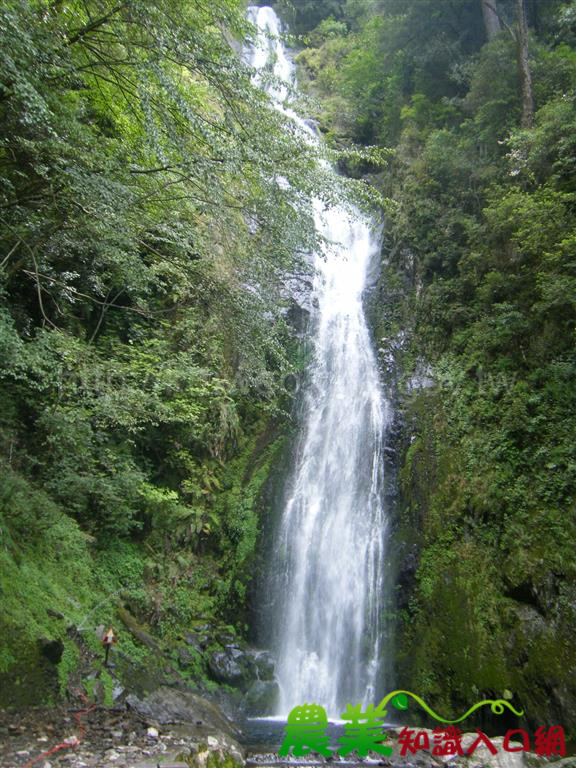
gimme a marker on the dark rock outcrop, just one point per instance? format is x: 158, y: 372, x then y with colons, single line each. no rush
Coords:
x: 261, y: 697
x: 168, y: 705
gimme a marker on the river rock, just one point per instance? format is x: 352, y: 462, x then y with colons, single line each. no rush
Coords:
x: 483, y: 756
x: 217, y: 752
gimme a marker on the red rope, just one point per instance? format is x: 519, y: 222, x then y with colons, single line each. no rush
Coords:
x: 71, y: 741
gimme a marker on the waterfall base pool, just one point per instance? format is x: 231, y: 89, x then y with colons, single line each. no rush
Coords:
x: 264, y: 735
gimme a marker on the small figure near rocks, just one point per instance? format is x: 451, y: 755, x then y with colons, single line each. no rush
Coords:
x: 108, y: 640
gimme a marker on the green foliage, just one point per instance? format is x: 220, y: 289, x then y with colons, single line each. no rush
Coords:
x: 134, y: 152
x: 145, y: 225
x: 240, y: 511
x: 306, y: 15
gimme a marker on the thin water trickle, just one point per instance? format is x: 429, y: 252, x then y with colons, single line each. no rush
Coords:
x: 328, y: 574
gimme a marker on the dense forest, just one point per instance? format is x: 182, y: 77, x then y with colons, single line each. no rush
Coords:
x: 152, y: 211
x: 144, y: 341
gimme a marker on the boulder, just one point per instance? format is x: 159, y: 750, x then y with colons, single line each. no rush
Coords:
x: 168, y: 705
x: 482, y: 756
x: 264, y: 664
x: 197, y: 640
x: 233, y: 666
x: 261, y: 697
x: 215, y: 752
x: 185, y: 657
x: 241, y: 667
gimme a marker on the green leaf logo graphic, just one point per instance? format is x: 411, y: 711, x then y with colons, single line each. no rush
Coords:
x: 400, y: 701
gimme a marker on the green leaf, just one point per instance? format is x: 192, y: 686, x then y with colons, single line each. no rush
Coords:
x: 400, y: 701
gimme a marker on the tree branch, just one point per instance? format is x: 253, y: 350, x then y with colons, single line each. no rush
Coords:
x: 506, y: 26
x: 79, y: 34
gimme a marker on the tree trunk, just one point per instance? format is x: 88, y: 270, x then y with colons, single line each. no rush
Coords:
x: 491, y: 18
x: 524, y: 66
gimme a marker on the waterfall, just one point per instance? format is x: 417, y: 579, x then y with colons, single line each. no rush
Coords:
x: 328, y: 560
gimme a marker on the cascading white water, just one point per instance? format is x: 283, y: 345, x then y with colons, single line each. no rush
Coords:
x: 328, y: 560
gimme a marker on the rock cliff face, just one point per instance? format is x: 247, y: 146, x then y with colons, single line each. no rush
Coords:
x: 471, y: 622
x: 467, y: 629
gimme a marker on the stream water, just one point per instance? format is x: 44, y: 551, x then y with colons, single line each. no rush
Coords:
x: 327, y: 579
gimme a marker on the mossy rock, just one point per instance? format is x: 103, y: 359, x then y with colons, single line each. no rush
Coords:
x: 262, y: 697
x: 28, y: 673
